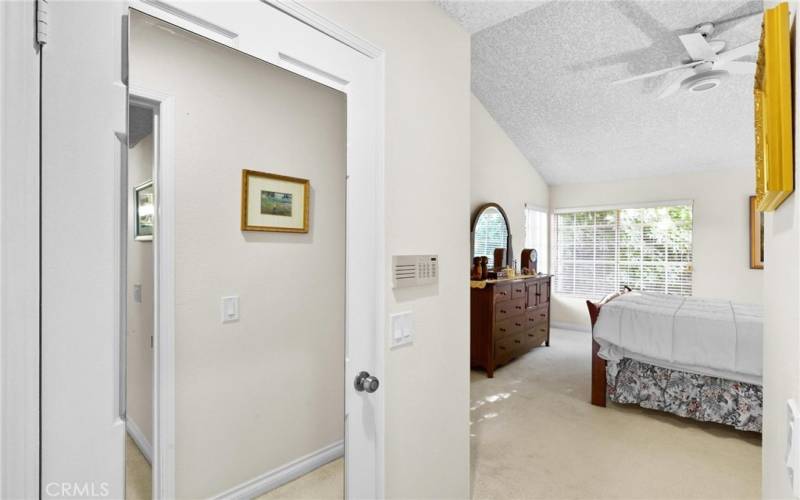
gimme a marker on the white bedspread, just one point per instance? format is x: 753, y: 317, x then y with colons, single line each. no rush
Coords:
x: 711, y: 337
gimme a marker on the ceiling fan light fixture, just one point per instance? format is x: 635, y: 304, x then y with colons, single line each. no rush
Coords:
x: 703, y: 82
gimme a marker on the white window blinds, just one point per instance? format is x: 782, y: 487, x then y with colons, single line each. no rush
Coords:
x: 599, y: 252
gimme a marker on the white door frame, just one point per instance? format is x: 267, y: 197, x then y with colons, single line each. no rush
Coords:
x: 19, y: 251
x: 164, y: 379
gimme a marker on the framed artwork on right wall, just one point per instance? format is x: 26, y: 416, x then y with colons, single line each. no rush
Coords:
x: 756, y: 236
x: 773, y: 111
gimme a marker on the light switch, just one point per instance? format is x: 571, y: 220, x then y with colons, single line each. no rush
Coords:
x: 402, y: 326
x: 137, y: 293
x: 230, y: 309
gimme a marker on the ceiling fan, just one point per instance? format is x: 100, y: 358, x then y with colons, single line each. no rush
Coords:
x: 710, y: 64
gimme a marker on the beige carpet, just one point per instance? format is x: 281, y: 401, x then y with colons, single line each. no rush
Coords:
x: 534, y: 435
x: 138, y: 475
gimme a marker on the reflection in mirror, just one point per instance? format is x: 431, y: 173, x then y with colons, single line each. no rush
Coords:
x: 490, y: 231
x: 258, y: 162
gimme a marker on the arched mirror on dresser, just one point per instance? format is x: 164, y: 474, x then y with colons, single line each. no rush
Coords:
x: 490, y: 231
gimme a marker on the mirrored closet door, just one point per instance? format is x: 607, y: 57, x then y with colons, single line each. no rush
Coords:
x: 257, y: 174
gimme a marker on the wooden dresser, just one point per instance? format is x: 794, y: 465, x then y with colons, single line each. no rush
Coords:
x: 508, y: 318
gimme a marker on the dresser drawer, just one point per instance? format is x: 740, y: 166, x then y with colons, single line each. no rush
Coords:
x: 518, y: 289
x: 508, y: 309
x: 537, y: 315
x: 509, y: 326
x: 536, y: 337
x: 509, y: 347
x: 502, y: 293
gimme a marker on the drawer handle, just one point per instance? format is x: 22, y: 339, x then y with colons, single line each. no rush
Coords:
x: 518, y: 324
x: 531, y: 320
x: 542, y: 330
x: 530, y: 335
x: 502, y: 329
x: 518, y: 307
x: 502, y: 311
x: 538, y: 294
x: 543, y: 315
x: 502, y: 348
x: 503, y: 293
x: 517, y: 341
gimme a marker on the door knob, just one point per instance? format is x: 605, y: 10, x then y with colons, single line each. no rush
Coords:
x: 366, y: 382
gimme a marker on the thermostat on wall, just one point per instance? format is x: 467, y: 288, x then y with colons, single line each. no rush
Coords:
x: 414, y: 270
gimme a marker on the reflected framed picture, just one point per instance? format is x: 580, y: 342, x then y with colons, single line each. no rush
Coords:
x: 276, y: 203
x: 144, y: 211
x: 756, y: 235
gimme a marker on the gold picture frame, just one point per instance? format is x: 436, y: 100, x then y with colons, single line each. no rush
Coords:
x: 274, y: 203
x: 772, y: 97
x: 756, y: 236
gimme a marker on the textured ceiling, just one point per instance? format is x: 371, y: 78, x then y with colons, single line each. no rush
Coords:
x: 476, y: 15
x: 545, y: 74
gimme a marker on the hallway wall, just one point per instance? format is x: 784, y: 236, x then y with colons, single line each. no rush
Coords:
x: 781, y: 320
x: 427, y: 211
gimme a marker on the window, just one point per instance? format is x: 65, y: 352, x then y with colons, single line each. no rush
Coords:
x: 536, y: 235
x: 598, y: 252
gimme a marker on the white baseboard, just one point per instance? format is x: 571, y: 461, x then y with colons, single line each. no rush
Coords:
x: 570, y: 326
x: 138, y: 437
x: 285, y: 473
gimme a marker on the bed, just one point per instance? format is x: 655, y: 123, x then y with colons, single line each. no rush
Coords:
x: 693, y: 357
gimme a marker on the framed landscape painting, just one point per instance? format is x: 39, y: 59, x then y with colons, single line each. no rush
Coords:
x: 272, y: 202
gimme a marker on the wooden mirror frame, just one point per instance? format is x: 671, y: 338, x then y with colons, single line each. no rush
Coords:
x: 475, y: 216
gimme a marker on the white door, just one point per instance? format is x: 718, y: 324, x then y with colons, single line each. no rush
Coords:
x: 84, y: 110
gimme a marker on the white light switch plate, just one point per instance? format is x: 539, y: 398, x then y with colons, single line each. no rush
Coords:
x: 230, y: 309
x: 402, y: 329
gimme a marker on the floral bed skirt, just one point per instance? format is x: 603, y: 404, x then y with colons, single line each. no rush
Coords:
x: 709, y: 399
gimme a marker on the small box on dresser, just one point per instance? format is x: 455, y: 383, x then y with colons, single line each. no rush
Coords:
x: 508, y: 318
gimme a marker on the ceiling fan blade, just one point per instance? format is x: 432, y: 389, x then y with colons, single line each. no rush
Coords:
x: 659, y: 72
x: 748, y: 49
x: 672, y: 87
x: 697, y: 47
x: 740, y: 68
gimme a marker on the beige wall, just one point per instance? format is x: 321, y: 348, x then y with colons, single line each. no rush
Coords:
x: 501, y: 174
x: 255, y: 394
x: 427, y: 210
x: 140, y: 314
x: 720, y: 235
x: 781, y: 325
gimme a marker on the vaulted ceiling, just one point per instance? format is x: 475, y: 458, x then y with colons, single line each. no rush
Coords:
x: 544, y: 70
